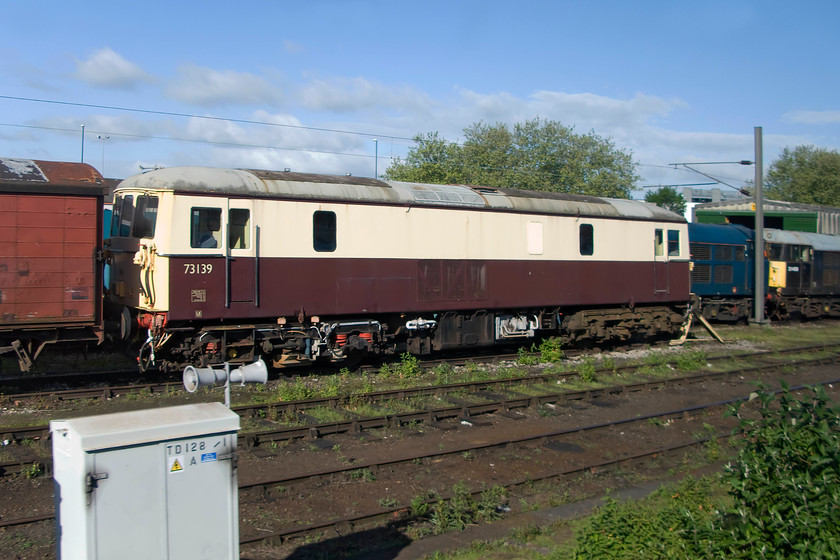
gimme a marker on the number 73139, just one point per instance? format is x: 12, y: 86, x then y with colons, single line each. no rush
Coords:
x: 198, y: 268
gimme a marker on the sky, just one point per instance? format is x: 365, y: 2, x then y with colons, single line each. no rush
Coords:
x: 342, y: 86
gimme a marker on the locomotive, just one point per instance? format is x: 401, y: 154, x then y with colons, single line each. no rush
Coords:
x: 226, y: 265
x: 802, y: 271
x: 215, y: 265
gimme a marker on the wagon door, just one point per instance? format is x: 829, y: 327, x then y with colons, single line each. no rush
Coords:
x: 660, y: 263
x: 242, y: 253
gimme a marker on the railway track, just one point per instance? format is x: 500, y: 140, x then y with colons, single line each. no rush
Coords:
x: 491, y: 403
x: 259, y: 489
x: 481, y: 388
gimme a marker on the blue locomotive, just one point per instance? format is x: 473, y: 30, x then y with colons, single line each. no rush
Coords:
x: 802, y: 272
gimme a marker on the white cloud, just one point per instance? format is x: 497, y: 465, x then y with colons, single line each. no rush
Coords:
x: 812, y: 117
x: 106, y: 68
x: 345, y: 95
x: 206, y: 87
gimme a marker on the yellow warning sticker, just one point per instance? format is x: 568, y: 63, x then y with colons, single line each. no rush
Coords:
x: 176, y: 464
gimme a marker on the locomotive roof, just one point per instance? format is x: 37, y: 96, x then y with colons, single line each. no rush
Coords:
x: 719, y: 233
x: 49, y: 177
x: 308, y: 186
x: 819, y: 241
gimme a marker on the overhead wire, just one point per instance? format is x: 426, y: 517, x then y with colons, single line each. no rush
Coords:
x: 253, y: 122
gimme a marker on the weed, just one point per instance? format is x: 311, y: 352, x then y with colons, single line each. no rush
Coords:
x: 388, y: 502
x: 364, y: 474
x: 551, y: 350
x: 34, y: 470
x: 444, y: 374
x: 691, y: 361
x: 525, y: 356
x: 587, y: 371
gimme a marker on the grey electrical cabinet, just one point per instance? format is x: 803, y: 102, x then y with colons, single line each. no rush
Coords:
x: 148, y: 484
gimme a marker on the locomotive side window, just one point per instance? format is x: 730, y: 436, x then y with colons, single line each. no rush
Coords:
x: 323, y: 231
x: 673, y: 243
x: 239, y: 227
x: 145, y: 216
x: 205, y: 226
x: 587, y: 239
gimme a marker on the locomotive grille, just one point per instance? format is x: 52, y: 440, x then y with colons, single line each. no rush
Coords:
x: 723, y: 252
x: 723, y: 274
x: 701, y: 274
x: 701, y: 252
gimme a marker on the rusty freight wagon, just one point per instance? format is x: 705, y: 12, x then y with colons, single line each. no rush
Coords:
x: 50, y: 255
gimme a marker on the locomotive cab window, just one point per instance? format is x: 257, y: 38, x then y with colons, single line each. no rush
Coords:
x: 122, y: 216
x: 205, y: 228
x: 145, y: 216
x: 800, y: 253
x: 673, y: 243
x: 239, y: 228
x: 774, y: 251
x: 323, y: 231
x: 587, y: 239
x: 658, y: 243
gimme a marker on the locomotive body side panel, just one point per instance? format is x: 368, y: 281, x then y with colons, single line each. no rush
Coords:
x: 386, y: 259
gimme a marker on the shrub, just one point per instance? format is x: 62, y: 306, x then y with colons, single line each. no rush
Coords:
x: 786, y: 481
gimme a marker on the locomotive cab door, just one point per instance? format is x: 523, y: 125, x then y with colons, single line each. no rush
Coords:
x: 242, y: 253
x: 661, y: 278
x: 798, y: 259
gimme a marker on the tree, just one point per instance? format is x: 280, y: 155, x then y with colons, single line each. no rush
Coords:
x: 805, y: 174
x: 536, y: 155
x: 667, y: 198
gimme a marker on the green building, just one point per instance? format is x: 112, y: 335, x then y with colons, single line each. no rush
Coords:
x: 777, y: 215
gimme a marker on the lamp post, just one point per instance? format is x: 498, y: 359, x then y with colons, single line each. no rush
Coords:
x: 103, y: 138
x: 758, y: 195
x: 760, y: 281
x: 376, y: 158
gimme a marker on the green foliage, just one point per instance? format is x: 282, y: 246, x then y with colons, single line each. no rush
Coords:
x: 296, y: 391
x: 538, y: 154
x: 551, y: 350
x: 526, y: 358
x: 805, y: 174
x: 691, y: 361
x: 650, y: 528
x: 587, y: 371
x: 409, y: 367
x: 462, y: 509
x: 667, y: 198
x: 34, y: 470
x: 786, y: 481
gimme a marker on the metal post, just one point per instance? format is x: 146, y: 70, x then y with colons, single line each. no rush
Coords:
x: 760, y: 280
x: 83, y: 143
x: 376, y: 159
x: 103, y: 138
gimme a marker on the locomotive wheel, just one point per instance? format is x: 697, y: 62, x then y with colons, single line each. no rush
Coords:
x: 145, y: 358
